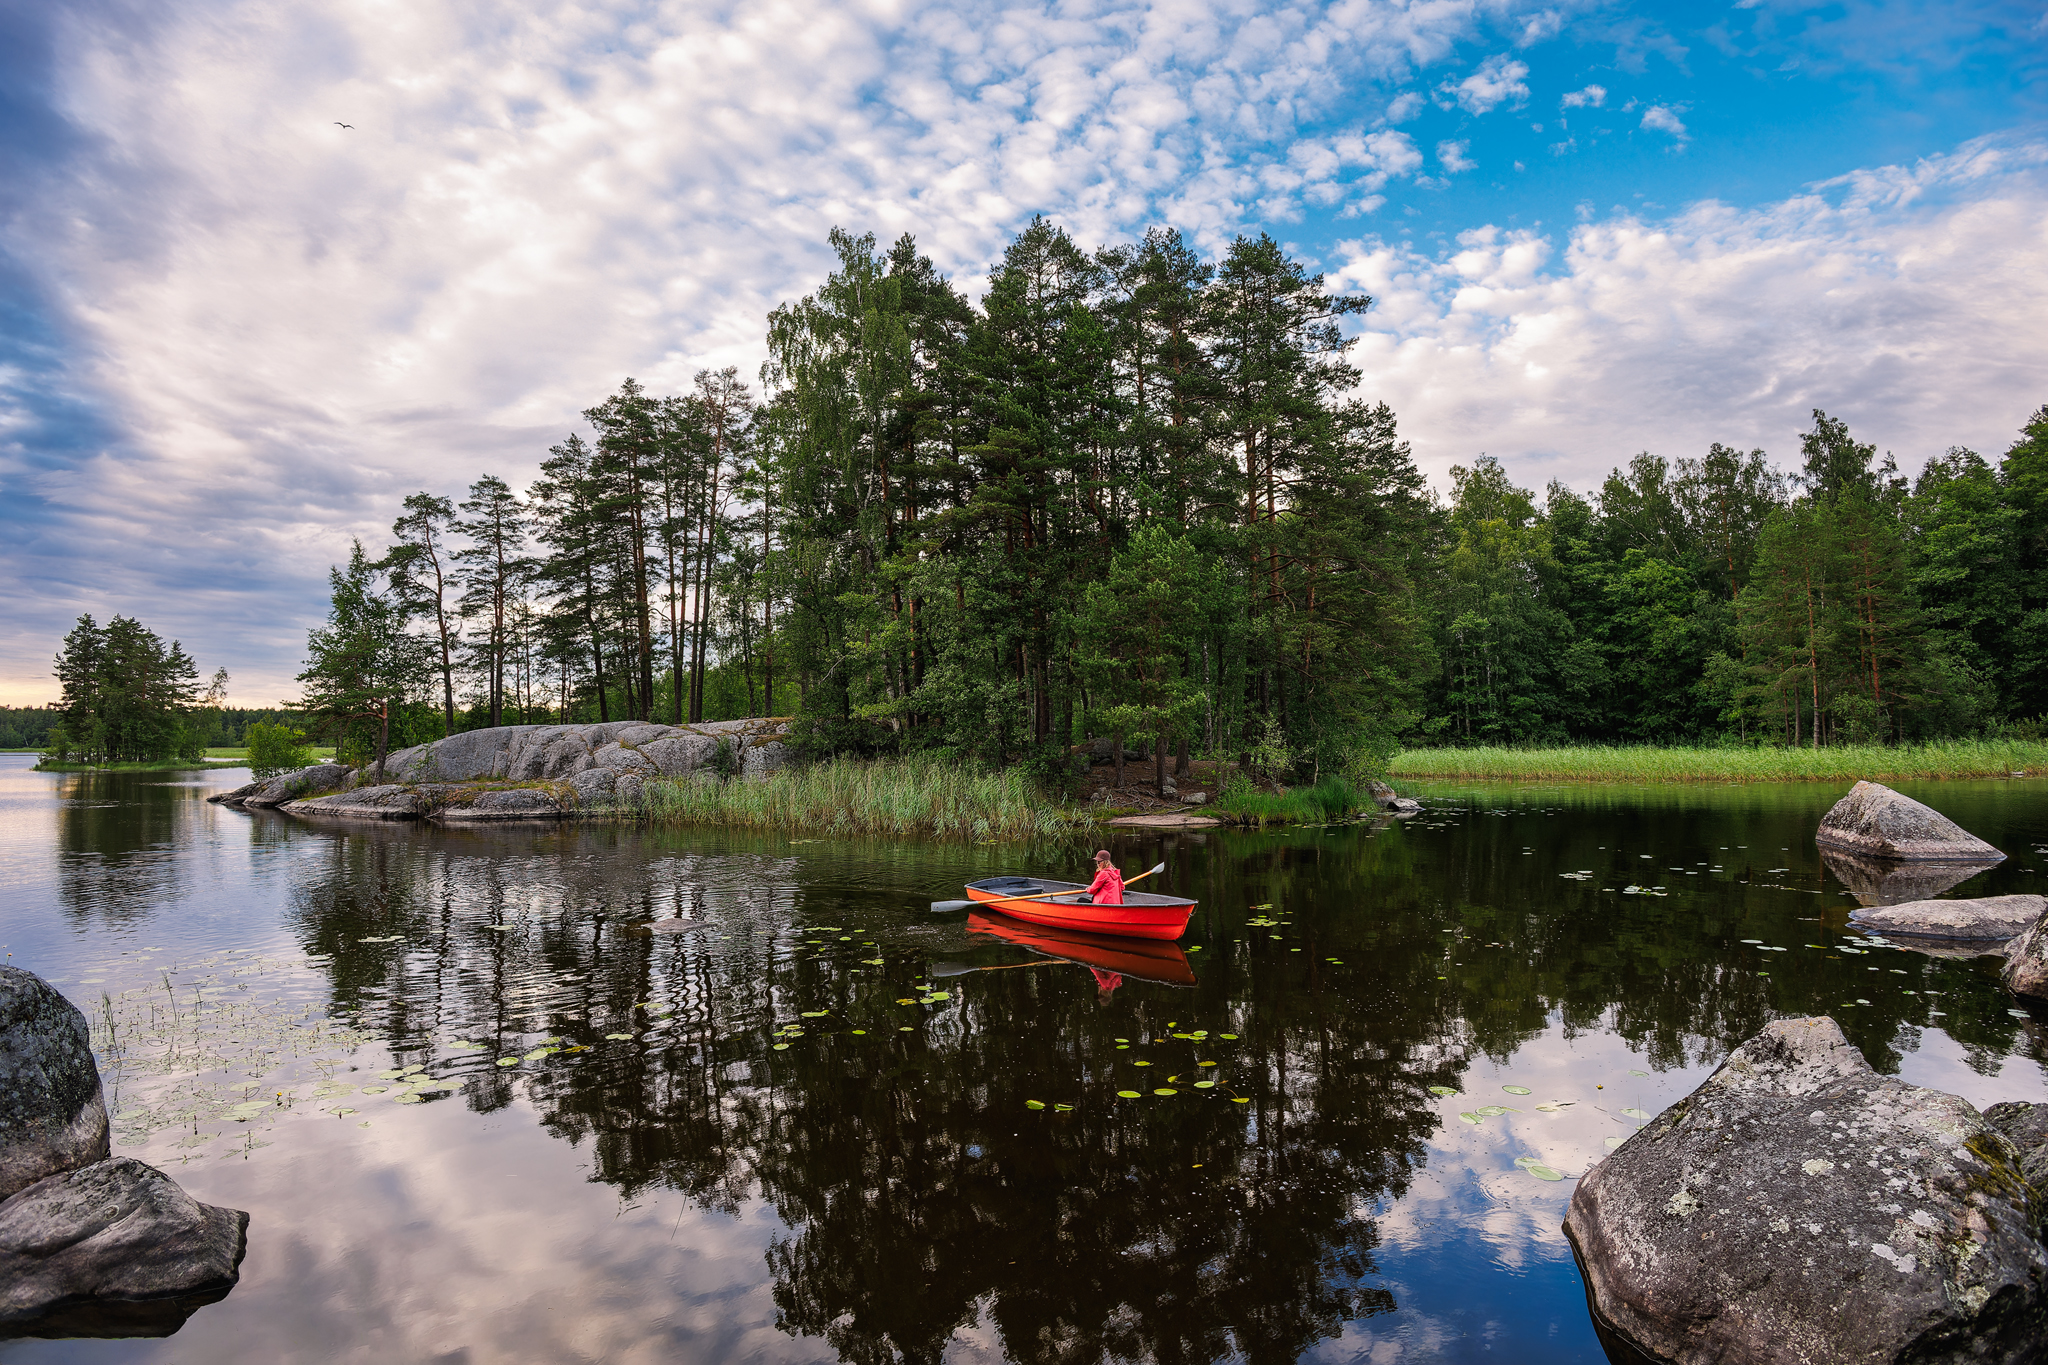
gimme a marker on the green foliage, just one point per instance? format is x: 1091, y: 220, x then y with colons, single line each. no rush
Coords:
x: 128, y: 697
x: 1332, y: 798
x: 276, y: 749
x: 362, y: 666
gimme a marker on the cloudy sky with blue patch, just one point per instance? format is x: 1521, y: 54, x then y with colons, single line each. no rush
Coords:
x: 237, y: 334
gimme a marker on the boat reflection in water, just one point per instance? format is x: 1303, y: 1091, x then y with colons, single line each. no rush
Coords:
x: 1111, y: 957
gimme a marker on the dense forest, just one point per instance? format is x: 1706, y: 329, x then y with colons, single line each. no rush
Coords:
x: 1133, y: 493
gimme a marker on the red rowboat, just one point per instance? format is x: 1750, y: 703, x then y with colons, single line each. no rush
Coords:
x: 1154, y: 961
x: 1142, y: 915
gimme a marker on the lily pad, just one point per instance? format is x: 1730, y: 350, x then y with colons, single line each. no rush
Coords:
x: 508, y: 1061
x: 375, y: 1089
x: 1614, y: 1141
x: 1516, y: 1089
x: 409, y: 1097
x: 1474, y: 1119
x: 619, y: 1037
x: 1034, y: 1104
x: 1130, y: 1094
x: 1166, y: 1090
x: 1442, y: 1090
x: 1544, y: 1172
x: 1205, y: 1085
x: 1496, y: 1110
x: 1240, y: 1099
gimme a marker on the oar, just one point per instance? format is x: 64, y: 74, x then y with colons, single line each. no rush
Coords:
x: 942, y: 906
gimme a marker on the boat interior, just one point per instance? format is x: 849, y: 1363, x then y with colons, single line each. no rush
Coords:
x: 1024, y: 886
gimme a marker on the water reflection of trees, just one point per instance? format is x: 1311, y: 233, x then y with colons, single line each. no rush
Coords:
x: 920, y: 1192
x: 125, y: 843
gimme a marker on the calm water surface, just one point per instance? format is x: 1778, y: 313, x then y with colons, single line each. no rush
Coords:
x: 806, y: 1130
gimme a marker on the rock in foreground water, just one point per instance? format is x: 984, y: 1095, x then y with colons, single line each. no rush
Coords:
x: 2026, y: 962
x: 1798, y: 1206
x: 1990, y: 919
x: 115, y: 1230
x: 52, y: 1115
x: 1877, y: 822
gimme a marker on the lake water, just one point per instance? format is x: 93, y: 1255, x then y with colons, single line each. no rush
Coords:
x: 805, y: 1130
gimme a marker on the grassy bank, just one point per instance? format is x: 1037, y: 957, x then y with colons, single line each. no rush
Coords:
x: 1333, y: 798
x: 172, y: 765
x: 1846, y: 763
x: 847, y: 796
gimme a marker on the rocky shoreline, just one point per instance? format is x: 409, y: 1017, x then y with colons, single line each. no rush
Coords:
x: 525, y: 772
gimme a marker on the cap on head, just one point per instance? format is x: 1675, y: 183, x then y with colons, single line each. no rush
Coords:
x: 1101, y: 855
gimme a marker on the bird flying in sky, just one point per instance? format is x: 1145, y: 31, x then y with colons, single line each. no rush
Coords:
x: 339, y: 124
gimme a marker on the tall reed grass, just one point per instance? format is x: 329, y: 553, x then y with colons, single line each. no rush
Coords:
x: 850, y: 796
x: 1612, y: 763
x: 1330, y: 799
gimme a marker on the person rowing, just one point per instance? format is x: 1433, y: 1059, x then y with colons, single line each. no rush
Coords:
x: 1108, y: 886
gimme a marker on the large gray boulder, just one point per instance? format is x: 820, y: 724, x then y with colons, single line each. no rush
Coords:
x: 1877, y: 822
x: 288, y: 787
x: 1990, y: 920
x: 499, y: 805
x: 2026, y: 962
x: 114, y: 1230
x: 1886, y: 881
x: 2027, y: 1125
x: 52, y: 1114
x: 534, y: 753
x: 388, y: 802
x: 1799, y: 1207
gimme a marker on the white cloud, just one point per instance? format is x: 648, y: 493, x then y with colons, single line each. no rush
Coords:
x: 1903, y: 300
x: 1498, y: 79
x: 1404, y: 107
x: 1592, y: 97
x: 1663, y: 119
x: 287, y: 326
x: 1452, y: 156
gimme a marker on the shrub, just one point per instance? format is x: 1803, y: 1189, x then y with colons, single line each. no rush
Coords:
x: 275, y: 749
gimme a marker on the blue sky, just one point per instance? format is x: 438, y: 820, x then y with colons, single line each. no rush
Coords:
x: 232, y: 334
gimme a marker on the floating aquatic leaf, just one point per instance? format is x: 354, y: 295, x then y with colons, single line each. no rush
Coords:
x: 407, y: 1098
x: 1528, y: 1161
x: 942, y: 995
x: 1166, y: 1090
x: 390, y: 1075
x: 343, y: 1113
x: 463, y: 1045
x: 1034, y: 1104
x: 375, y: 1089
x: 1516, y: 1089
x: 1544, y: 1172
x: 1441, y: 1090
x: 508, y: 1061
x: 1267, y: 906
x: 1130, y: 1094
x: 859, y: 1030
x: 905, y: 1000
x: 1615, y: 1141
x: 872, y: 961
x: 1638, y: 1113
x: 1495, y: 1110
x: 905, y: 1028
x: 782, y: 1047
x: 619, y: 1037
x: 1231, y: 1036
x: 1205, y: 1063
x: 1205, y: 1085
x: 1474, y: 1119
x: 1638, y: 1073
x: 1141, y: 1063
x: 1063, y: 1109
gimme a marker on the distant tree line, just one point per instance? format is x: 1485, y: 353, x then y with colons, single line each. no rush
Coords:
x: 1129, y: 495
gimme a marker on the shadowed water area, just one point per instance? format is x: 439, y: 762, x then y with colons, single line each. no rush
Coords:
x: 478, y: 1110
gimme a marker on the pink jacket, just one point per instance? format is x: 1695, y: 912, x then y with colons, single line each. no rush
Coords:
x: 1107, y: 888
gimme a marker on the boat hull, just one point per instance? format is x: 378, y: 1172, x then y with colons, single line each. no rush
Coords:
x: 1143, y: 915
x: 1137, y: 958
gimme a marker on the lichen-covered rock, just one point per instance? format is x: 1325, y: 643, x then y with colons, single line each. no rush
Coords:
x: 1886, y: 881
x: 52, y: 1114
x: 388, y: 802
x: 288, y: 787
x: 113, y: 1230
x: 493, y: 807
x: 1799, y: 1207
x: 2027, y: 1125
x: 2026, y: 961
x: 1990, y: 919
x: 533, y: 753
x: 1878, y: 822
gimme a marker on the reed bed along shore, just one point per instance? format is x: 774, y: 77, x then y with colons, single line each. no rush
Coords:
x: 849, y: 796
x: 1842, y: 763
